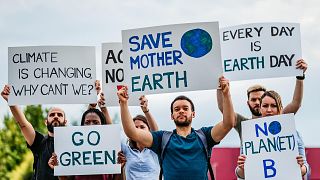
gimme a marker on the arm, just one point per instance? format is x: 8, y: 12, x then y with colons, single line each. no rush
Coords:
x: 138, y: 135
x: 104, y: 109
x: 220, y: 130
x: 295, y: 104
x: 144, y: 107
x: 25, y: 126
x: 220, y: 103
x: 240, y: 166
x: 98, y: 89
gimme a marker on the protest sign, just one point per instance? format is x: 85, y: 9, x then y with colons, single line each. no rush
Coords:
x: 52, y: 75
x: 87, y: 149
x: 114, y: 74
x: 172, y: 58
x: 270, y: 145
x: 260, y: 50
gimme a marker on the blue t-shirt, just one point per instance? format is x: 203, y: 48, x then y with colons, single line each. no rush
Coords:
x: 184, y: 157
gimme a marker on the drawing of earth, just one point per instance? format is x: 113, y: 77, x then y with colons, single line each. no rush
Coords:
x: 196, y: 43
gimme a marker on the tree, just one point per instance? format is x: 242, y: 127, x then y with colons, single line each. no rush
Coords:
x: 12, y: 143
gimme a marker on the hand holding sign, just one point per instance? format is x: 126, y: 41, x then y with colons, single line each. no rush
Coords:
x: 123, y: 94
x: 224, y: 84
x: 5, y: 92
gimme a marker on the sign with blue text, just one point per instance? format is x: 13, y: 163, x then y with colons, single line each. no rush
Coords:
x: 114, y: 74
x: 270, y: 145
x: 52, y: 75
x: 85, y: 150
x: 172, y: 58
x: 260, y: 50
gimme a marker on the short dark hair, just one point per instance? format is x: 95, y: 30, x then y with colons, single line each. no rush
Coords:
x: 255, y: 88
x: 182, y: 97
x: 96, y: 111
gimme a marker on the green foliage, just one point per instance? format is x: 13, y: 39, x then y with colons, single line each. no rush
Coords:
x: 12, y: 143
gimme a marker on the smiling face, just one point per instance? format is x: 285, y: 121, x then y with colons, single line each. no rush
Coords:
x: 182, y: 113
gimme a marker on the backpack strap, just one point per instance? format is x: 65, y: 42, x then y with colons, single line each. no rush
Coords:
x: 203, y: 139
x: 164, y: 143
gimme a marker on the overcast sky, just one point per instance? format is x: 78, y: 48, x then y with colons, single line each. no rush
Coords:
x: 82, y: 22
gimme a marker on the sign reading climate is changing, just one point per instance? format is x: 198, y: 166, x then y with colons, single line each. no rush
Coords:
x: 270, y: 144
x: 260, y: 50
x: 52, y: 75
x: 172, y: 58
x: 85, y: 150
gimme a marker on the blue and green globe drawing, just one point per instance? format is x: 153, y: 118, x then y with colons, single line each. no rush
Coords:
x: 196, y: 43
x: 274, y: 127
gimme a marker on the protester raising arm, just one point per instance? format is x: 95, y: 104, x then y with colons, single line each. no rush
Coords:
x: 138, y: 135
x: 25, y: 126
x: 295, y: 104
x: 220, y: 130
x: 144, y: 107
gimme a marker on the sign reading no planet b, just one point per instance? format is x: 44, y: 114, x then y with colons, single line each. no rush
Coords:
x: 52, y: 75
x: 85, y: 150
x: 172, y: 58
x: 270, y: 144
x: 114, y: 74
x: 260, y: 50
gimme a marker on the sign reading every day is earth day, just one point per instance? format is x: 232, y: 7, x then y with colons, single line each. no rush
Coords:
x: 260, y: 50
x: 172, y: 58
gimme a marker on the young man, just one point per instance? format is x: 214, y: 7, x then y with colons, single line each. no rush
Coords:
x: 185, y: 156
x: 255, y: 92
x: 40, y: 145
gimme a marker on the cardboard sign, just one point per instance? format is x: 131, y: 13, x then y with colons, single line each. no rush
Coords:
x: 260, y: 50
x: 172, y: 58
x: 52, y: 75
x: 87, y: 150
x: 270, y: 144
x: 114, y: 74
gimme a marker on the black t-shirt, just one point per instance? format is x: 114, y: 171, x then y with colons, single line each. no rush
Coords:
x: 42, y: 149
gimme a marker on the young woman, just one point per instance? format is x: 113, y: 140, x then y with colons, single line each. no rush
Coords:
x: 270, y: 105
x: 141, y: 162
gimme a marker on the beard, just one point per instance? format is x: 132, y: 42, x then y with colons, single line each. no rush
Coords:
x: 184, y: 123
x: 255, y: 111
x: 54, y: 123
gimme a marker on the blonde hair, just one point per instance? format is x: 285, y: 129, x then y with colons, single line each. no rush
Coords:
x: 274, y: 95
x: 255, y: 88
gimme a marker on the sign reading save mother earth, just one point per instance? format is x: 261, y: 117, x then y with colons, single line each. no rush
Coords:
x: 172, y: 58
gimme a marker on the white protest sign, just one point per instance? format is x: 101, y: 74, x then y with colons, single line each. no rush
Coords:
x: 270, y: 144
x: 52, y: 75
x: 113, y: 74
x: 87, y: 149
x: 172, y: 58
x: 260, y: 50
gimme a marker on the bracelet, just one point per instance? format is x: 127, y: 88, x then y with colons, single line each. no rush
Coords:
x: 301, y: 77
x: 146, y: 111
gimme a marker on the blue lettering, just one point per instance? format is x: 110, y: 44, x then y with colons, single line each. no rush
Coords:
x: 165, y: 40
x: 265, y: 131
x: 135, y: 43
x: 269, y: 167
x: 226, y: 64
x: 80, y: 142
x: 134, y: 82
